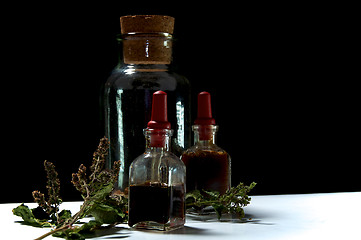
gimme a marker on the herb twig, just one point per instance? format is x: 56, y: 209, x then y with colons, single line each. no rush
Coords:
x: 50, y: 206
x: 95, y: 191
x: 232, y: 201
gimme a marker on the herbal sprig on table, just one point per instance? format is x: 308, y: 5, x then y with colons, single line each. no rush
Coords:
x: 232, y: 201
x: 95, y: 190
x: 106, y: 207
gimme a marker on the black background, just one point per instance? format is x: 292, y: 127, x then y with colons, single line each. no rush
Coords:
x: 281, y: 79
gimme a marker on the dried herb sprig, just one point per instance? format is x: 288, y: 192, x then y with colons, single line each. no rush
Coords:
x: 50, y: 206
x: 99, y: 159
x: 95, y: 191
x: 79, y: 180
x: 232, y: 201
x: 99, y: 178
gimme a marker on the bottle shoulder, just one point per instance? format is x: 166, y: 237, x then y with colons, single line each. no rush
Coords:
x: 125, y: 78
x: 205, y: 148
x: 155, y: 167
x: 166, y: 158
x: 205, y: 153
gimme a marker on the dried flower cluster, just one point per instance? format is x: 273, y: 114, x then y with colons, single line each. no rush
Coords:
x: 96, y: 191
x: 99, y: 176
x: 79, y: 180
x: 51, y: 206
x: 99, y: 158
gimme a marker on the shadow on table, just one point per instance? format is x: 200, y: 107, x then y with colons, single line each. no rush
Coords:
x: 229, y: 218
x: 190, y: 231
x: 110, y: 233
x: 186, y: 230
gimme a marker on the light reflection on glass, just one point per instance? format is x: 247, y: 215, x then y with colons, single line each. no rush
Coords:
x: 180, y: 123
x: 129, y: 70
x: 147, y: 48
x: 120, y: 136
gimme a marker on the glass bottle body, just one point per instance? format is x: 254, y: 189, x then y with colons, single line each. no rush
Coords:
x: 157, y: 187
x: 128, y: 101
x: 208, y: 165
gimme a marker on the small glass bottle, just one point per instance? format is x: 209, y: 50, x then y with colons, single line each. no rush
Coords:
x: 145, y: 66
x: 208, y: 166
x: 157, y: 177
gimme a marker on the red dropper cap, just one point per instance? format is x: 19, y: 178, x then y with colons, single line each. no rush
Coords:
x: 204, y: 116
x: 159, y: 120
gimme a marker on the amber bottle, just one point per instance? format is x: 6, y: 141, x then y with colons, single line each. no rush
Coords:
x: 208, y: 166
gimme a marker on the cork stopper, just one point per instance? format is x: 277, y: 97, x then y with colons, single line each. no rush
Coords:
x: 146, y: 24
x: 147, y: 39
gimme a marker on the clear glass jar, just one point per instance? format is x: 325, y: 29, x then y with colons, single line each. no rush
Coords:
x: 157, y: 185
x: 208, y: 165
x: 145, y: 67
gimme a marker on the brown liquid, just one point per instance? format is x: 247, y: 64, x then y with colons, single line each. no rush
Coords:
x: 157, y: 203
x: 207, y: 170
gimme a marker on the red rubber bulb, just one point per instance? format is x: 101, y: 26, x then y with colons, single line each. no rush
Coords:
x: 159, y: 119
x: 204, y: 116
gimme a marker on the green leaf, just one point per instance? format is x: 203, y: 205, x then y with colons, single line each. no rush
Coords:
x: 212, y: 194
x: 219, y: 208
x: 74, y: 236
x: 105, y: 213
x: 193, y: 197
x: 89, y: 226
x: 39, y: 213
x: 78, y: 233
x: 69, y: 234
x: 27, y: 215
x: 63, y: 216
x: 102, y: 192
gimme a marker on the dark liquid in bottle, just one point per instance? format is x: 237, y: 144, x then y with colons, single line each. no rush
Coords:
x: 207, y: 170
x: 157, y: 203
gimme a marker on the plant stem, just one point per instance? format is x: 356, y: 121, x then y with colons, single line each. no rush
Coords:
x: 68, y: 225
x: 53, y: 231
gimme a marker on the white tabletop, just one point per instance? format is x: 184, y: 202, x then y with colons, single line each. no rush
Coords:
x: 305, y: 216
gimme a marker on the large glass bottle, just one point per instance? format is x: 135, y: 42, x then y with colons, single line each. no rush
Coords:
x: 208, y: 165
x: 157, y: 177
x: 146, y: 47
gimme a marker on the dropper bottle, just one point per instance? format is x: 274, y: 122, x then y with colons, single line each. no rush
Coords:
x: 157, y: 177
x: 208, y: 165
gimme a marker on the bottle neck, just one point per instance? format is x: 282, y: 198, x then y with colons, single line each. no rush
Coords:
x: 147, y: 48
x: 205, y: 134
x: 158, y: 140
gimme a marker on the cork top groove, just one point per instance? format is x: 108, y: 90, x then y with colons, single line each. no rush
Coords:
x: 146, y: 24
